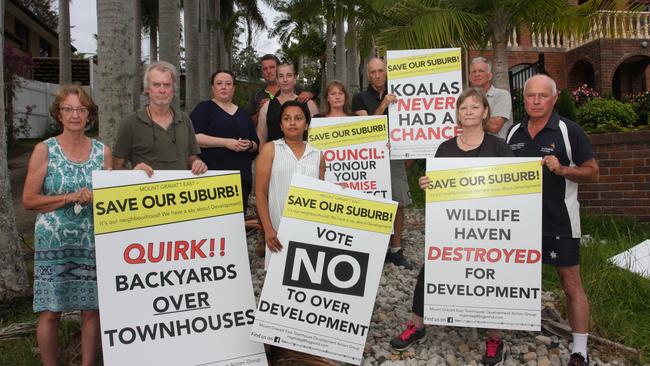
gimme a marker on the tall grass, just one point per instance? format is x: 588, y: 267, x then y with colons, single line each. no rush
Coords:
x: 619, y: 299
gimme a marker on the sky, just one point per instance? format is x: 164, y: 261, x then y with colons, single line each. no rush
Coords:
x: 83, y: 20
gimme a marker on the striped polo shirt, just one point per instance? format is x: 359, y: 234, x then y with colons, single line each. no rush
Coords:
x: 568, y: 142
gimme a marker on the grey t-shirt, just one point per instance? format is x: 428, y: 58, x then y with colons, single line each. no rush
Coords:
x: 500, y: 106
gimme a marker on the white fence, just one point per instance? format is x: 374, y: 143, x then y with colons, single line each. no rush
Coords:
x: 38, y: 97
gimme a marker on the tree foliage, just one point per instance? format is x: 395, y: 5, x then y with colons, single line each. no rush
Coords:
x: 44, y: 9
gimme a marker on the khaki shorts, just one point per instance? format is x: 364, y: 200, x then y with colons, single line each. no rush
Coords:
x: 399, y: 183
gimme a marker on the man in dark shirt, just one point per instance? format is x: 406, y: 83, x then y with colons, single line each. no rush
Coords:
x: 269, y: 64
x: 375, y: 100
x: 567, y: 160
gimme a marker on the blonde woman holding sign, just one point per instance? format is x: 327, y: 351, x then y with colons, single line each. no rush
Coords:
x: 472, y: 115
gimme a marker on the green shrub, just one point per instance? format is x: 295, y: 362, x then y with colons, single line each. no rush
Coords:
x: 606, y: 115
x: 641, y: 104
x: 566, y: 106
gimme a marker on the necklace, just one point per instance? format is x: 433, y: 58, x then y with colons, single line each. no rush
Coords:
x: 169, y: 113
x: 470, y: 145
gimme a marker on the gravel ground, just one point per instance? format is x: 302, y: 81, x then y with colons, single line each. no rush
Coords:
x: 443, y: 345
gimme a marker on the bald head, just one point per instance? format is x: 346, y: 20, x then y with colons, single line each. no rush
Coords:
x: 377, y: 73
x: 540, y: 95
x: 544, y: 79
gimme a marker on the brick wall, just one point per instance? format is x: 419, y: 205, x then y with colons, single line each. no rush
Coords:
x: 624, y: 186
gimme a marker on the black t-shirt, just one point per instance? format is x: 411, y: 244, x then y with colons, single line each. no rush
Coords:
x: 567, y: 141
x: 273, y: 121
x: 368, y: 100
x: 491, y: 147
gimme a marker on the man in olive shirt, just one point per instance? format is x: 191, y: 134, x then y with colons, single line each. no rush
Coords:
x: 157, y: 137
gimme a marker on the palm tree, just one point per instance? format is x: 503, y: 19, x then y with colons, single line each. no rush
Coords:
x: 341, y: 58
x: 169, y: 30
x: 13, y: 274
x: 191, y: 29
x: 149, y: 14
x: 136, y: 54
x: 472, y: 24
x: 204, y: 50
x: 115, y: 66
x: 65, y: 66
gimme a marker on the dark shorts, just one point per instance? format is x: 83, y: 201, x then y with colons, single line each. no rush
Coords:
x: 560, y: 251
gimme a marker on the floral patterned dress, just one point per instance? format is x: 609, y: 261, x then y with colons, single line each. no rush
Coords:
x: 64, y: 239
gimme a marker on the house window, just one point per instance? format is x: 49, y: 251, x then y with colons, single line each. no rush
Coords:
x: 22, y: 34
x: 45, y: 49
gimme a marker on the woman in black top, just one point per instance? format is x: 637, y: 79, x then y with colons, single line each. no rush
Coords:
x: 268, y: 124
x: 225, y: 132
x: 472, y: 114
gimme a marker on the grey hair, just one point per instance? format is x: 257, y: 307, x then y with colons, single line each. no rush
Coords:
x: 479, y: 59
x: 553, y: 84
x: 375, y: 58
x: 162, y: 66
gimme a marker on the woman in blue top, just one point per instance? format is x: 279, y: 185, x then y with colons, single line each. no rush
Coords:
x: 59, y: 187
x: 225, y: 132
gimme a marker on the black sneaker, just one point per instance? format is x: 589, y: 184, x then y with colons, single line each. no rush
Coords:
x: 398, y: 259
x: 494, y: 352
x: 577, y: 359
x: 408, y: 337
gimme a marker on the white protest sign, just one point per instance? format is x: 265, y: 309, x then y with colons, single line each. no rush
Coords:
x: 355, y: 152
x: 172, y: 269
x: 636, y: 259
x: 483, y: 243
x: 426, y: 83
x: 319, y: 290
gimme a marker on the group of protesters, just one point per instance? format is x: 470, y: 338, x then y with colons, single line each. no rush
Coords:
x: 219, y: 135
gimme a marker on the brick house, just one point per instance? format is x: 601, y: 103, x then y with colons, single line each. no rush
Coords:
x: 612, y: 58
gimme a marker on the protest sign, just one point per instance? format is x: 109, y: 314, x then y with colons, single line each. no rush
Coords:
x: 426, y: 84
x: 320, y: 289
x: 172, y: 269
x: 355, y: 152
x: 483, y: 243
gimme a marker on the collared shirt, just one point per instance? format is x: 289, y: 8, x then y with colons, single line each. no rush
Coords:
x: 500, y: 106
x: 140, y: 140
x: 564, y: 139
x: 368, y: 100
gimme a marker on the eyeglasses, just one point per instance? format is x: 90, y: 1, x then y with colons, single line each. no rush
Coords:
x: 68, y: 110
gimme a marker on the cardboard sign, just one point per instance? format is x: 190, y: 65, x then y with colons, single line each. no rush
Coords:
x: 426, y: 84
x: 320, y: 289
x: 483, y: 238
x: 172, y: 269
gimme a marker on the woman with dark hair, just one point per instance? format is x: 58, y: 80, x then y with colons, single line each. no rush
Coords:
x: 472, y: 115
x: 59, y: 186
x: 225, y: 132
x: 277, y: 163
x: 337, y: 102
x: 268, y: 125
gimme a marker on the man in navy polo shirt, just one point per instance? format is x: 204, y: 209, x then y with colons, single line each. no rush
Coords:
x: 567, y: 160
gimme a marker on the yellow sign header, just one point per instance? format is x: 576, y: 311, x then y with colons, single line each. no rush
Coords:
x: 336, y: 209
x: 436, y: 63
x: 328, y: 137
x: 484, y: 182
x: 150, y: 204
